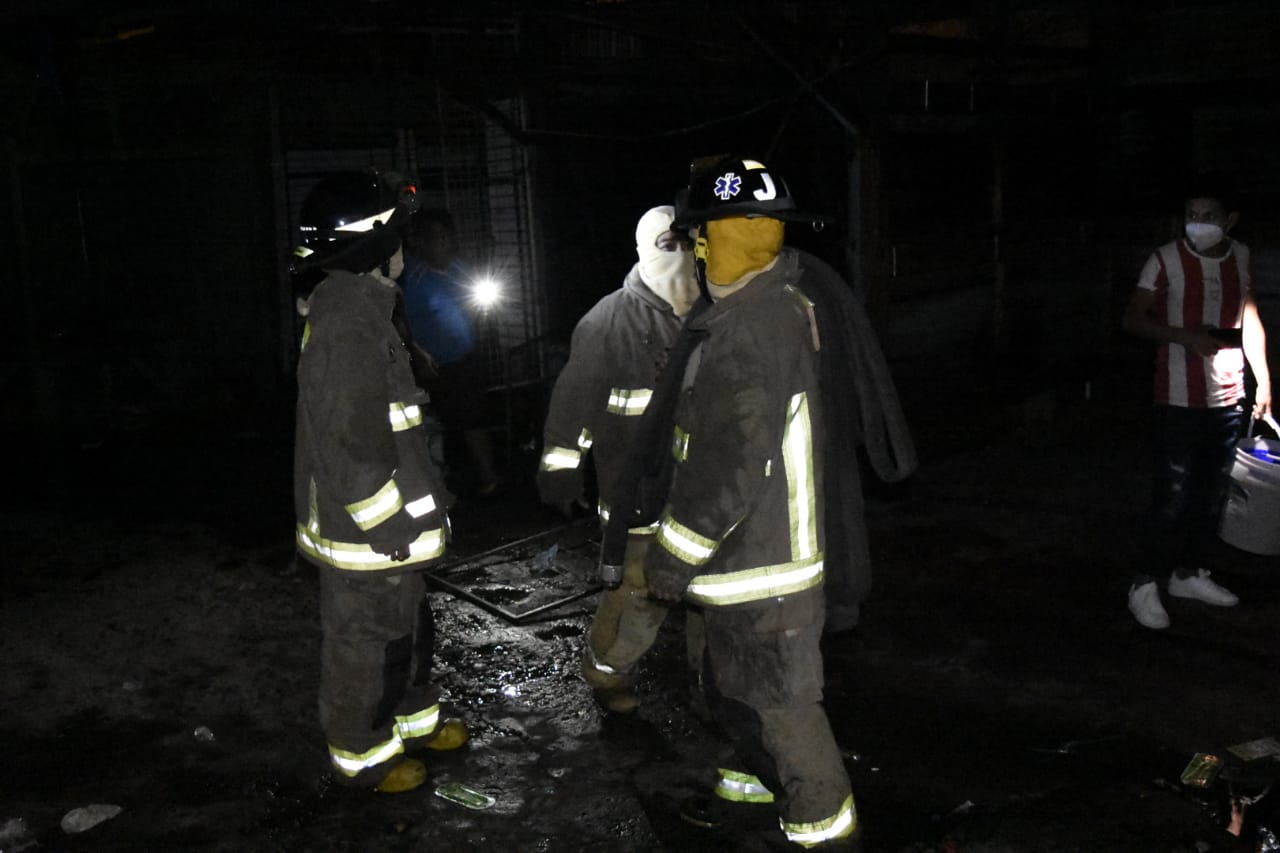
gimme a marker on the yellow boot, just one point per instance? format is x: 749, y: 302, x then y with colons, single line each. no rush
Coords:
x: 451, y: 734
x: 405, y: 776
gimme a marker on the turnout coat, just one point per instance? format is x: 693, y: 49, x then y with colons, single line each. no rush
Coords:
x: 363, y: 480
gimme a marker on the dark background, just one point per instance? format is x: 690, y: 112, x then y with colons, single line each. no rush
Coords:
x: 999, y: 170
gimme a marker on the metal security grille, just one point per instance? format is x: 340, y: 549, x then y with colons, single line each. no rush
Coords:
x: 469, y: 166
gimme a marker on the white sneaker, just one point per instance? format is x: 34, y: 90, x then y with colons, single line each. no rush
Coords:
x: 1201, y: 588
x: 1144, y: 604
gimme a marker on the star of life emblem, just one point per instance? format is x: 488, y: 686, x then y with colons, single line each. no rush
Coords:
x: 727, y: 186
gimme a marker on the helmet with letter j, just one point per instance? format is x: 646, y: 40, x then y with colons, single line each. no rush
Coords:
x: 738, y: 207
x: 725, y: 186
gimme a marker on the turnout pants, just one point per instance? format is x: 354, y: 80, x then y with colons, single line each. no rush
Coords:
x: 625, y: 625
x: 376, y: 699
x: 763, y: 676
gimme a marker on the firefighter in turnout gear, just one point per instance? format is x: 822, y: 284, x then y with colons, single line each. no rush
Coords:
x: 618, y: 350
x: 370, y: 511
x: 742, y: 534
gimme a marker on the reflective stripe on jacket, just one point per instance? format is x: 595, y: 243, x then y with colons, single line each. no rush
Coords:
x: 744, y: 518
x: 362, y: 473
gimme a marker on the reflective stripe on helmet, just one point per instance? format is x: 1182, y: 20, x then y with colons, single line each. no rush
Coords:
x: 560, y: 459
x: 405, y: 416
x: 359, y: 557
x: 377, y: 508
x: 839, y: 825
x: 741, y: 787
x: 720, y: 590
x: 629, y: 401
x: 368, y: 223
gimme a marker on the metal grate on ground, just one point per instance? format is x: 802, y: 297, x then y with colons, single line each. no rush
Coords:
x: 530, y: 579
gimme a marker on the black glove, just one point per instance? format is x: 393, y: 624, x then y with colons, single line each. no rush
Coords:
x: 394, y: 536
x: 667, y: 577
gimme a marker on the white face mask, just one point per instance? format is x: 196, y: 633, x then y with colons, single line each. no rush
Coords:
x: 670, y: 274
x: 1204, y: 235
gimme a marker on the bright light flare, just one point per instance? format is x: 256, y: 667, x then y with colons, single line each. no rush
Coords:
x: 486, y: 292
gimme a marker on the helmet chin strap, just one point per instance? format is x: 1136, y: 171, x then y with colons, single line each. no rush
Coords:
x: 385, y: 269
x: 700, y: 262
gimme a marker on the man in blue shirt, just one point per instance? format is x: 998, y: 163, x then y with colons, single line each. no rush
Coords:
x: 435, y: 302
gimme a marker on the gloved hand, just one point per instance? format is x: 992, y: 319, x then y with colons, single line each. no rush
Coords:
x: 394, y: 536
x: 666, y: 583
x: 562, y: 490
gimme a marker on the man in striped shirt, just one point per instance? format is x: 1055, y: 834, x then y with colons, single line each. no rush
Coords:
x: 1194, y: 298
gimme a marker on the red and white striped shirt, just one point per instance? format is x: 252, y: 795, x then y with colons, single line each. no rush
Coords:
x: 1193, y: 291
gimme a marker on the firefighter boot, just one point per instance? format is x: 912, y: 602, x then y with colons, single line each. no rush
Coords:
x: 712, y: 812
x: 613, y: 691
x: 405, y: 776
x: 451, y: 734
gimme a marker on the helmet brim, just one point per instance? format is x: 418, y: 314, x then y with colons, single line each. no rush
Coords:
x: 690, y: 218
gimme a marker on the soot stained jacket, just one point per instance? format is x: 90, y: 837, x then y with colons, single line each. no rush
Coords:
x: 618, y: 349
x: 743, y: 524
x: 362, y: 473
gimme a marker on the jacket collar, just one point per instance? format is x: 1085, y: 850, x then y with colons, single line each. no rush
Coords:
x: 633, y: 283
x: 785, y: 271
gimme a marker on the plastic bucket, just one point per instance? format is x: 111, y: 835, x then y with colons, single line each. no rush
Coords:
x: 1251, y: 513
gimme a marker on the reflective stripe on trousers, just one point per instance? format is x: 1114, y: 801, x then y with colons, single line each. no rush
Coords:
x: 839, y: 825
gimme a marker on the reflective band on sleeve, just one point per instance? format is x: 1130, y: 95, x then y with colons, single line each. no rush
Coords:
x: 584, y: 440
x: 628, y: 401
x: 680, y: 445
x: 560, y: 459
x: 420, y: 724
x: 839, y: 825
x: 683, y: 543
x: 374, y: 510
x: 421, y: 506
x: 742, y: 788
x: 351, y: 763
x: 754, y: 584
x: 356, y: 557
x: 405, y: 416
x: 797, y: 451
x: 306, y: 336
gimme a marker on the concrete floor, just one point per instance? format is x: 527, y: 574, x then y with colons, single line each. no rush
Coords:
x: 161, y: 654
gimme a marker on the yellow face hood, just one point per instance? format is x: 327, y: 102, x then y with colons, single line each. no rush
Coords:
x: 739, y: 245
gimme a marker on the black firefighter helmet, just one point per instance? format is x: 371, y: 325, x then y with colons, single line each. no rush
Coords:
x: 351, y: 221
x: 724, y: 186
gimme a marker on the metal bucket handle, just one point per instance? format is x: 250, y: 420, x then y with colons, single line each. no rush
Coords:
x: 1268, y: 418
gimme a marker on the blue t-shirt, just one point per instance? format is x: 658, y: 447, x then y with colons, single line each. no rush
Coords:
x: 433, y: 304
